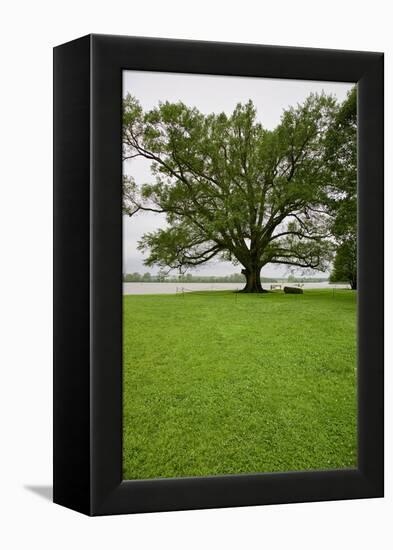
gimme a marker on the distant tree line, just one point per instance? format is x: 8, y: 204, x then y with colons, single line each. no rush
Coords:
x: 293, y: 279
x: 190, y: 278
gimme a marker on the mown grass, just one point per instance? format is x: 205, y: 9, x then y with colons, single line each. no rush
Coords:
x: 224, y: 383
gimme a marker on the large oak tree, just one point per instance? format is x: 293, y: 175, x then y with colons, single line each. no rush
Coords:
x: 231, y: 189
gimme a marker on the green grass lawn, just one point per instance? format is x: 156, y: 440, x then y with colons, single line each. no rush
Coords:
x: 225, y: 383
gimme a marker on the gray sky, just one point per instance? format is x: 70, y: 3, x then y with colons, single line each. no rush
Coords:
x: 209, y: 94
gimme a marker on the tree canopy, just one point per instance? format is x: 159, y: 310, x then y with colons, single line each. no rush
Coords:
x: 344, y: 267
x: 230, y: 188
x: 341, y: 161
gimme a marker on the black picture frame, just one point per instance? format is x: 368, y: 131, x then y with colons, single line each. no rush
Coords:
x: 88, y: 274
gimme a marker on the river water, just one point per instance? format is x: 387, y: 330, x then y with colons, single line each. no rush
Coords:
x: 173, y: 288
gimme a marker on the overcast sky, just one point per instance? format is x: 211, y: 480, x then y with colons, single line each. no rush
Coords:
x: 210, y: 94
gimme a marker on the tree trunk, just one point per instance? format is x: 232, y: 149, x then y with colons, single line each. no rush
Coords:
x: 353, y: 284
x: 253, y: 280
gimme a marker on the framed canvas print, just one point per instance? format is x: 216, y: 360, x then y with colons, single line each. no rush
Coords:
x: 218, y: 275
